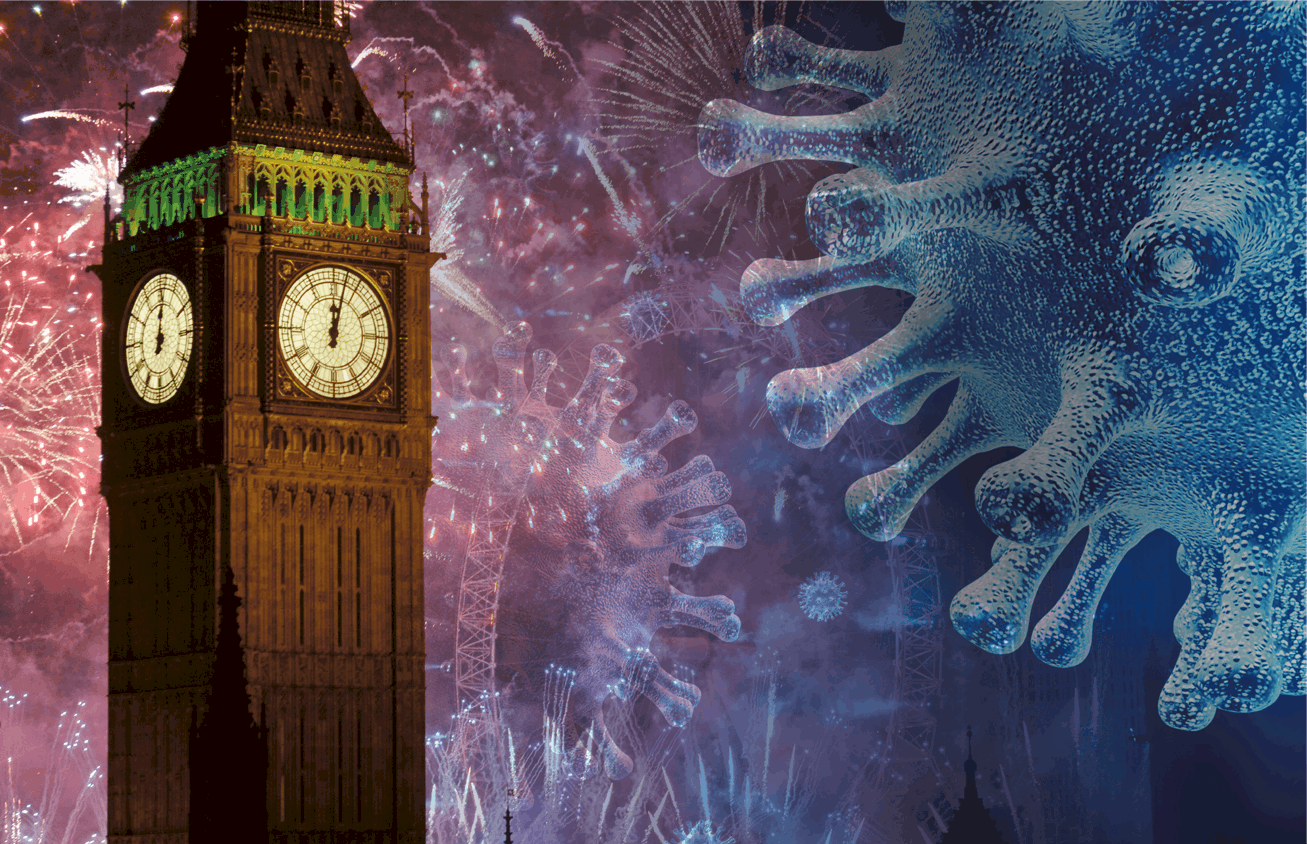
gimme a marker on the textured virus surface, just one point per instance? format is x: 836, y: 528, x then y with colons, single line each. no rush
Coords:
x: 700, y: 833
x: 1095, y: 206
x: 597, y: 528
x: 822, y: 596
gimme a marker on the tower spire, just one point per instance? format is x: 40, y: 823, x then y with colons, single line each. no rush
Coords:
x: 971, y: 823
x: 970, y: 767
x: 126, y: 105
x: 405, y: 94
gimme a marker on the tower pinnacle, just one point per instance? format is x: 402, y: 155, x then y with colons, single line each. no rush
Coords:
x: 972, y: 823
x: 970, y: 767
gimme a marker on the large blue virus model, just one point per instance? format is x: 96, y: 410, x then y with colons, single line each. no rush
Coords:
x: 1098, y: 208
x: 822, y: 596
x: 596, y: 530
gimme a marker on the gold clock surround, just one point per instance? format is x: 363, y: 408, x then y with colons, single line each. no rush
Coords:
x: 157, y: 338
x: 375, y: 384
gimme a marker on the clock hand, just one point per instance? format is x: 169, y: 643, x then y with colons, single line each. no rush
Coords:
x: 334, y: 331
x: 158, y: 339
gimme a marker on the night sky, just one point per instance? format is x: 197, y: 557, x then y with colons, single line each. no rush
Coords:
x: 559, y: 141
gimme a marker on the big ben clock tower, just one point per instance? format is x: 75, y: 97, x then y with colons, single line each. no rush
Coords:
x: 266, y: 440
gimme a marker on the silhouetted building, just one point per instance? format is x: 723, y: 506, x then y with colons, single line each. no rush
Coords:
x: 972, y: 823
x: 266, y: 432
x: 226, y: 808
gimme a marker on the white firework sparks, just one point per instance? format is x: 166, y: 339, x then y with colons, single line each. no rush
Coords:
x: 49, y: 406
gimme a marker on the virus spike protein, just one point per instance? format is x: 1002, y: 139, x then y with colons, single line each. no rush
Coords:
x: 598, y: 526
x: 1098, y: 241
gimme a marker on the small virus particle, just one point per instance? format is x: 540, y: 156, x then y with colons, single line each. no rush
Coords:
x: 645, y: 317
x: 700, y: 833
x: 822, y: 596
x: 1094, y: 205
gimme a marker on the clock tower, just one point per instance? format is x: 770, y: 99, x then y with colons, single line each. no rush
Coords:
x: 266, y: 440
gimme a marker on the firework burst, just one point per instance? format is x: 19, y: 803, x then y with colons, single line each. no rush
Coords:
x: 48, y: 412
x: 88, y: 180
x: 70, y: 761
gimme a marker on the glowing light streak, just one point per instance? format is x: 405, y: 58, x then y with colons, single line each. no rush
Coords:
x: 550, y: 48
x: 629, y: 222
x: 65, y: 114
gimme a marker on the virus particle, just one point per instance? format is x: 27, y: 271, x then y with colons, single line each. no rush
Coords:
x: 700, y: 833
x: 644, y: 317
x: 822, y: 596
x: 1094, y: 206
x: 597, y: 526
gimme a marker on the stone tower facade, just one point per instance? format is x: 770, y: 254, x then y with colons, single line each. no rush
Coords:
x: 266, y: 424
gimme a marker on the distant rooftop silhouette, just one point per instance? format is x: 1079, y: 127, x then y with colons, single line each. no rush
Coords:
x: 971, y: 823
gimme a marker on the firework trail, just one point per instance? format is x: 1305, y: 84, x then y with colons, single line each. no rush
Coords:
x: 552, y: 49
x: 408, y: 42
x: 66, y: 115
x: 448, y: 278
x: 371, y: 51
x: 629, y: 222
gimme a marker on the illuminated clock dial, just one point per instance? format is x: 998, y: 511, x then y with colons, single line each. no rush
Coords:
x: 157, y: 339
x: 333, y: 332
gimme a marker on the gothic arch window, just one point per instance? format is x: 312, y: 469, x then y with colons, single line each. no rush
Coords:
x: 374, y: 208
x: 283, y: 197
x: 316, y: 441
x: 355, y: 205
x: 261, y: 189
x: 338, y: 205
x: 392, y: 446
x: 277, y: 438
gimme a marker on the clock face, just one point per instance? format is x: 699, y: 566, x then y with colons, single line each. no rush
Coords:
x: 157, y: 339
x: 333, y: 332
